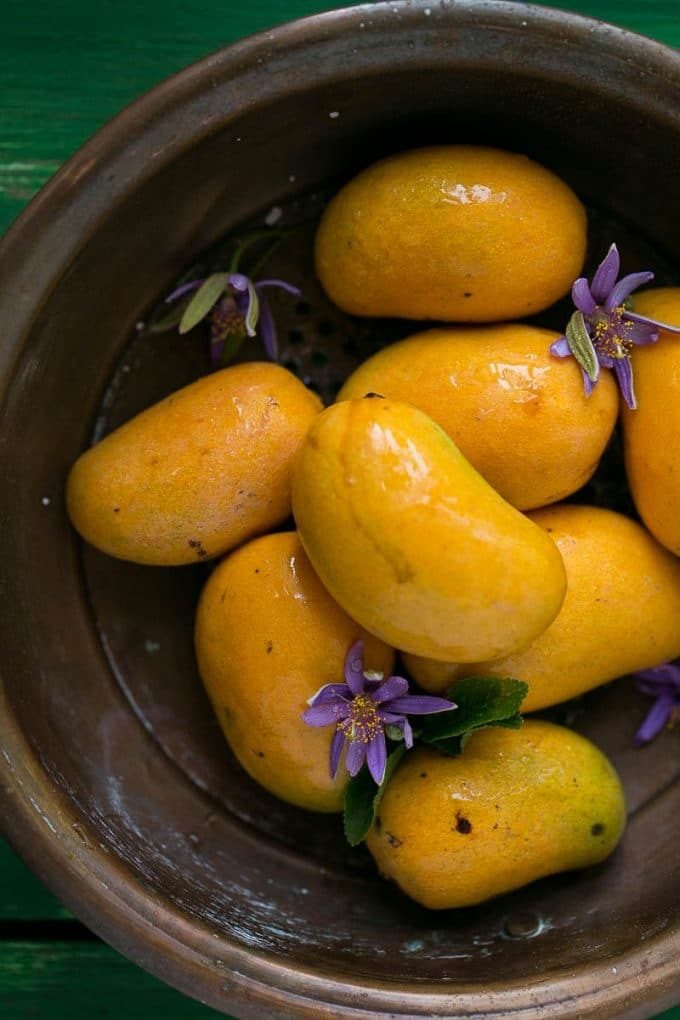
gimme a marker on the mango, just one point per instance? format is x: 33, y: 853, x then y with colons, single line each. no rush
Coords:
x: 515, y: 806
x: 517, y: 413
x: 621, y: 612
x: 268, y: 636
x: 455, y: 232
x: 412, y: 542
x: 197, y: 473
x: 652, y: 433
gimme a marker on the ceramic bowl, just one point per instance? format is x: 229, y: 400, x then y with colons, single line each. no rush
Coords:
x: 115, y: 783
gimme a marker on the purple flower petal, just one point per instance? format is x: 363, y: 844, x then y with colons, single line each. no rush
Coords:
x: 354, y: 668
x: 561, y: 348
x: 325, y: 715
x: 582, y: 297
x: 653, y: 323
x: 376, y: 757
x: 665, y: 673
x: 605, y: 275
x: 239, y: 282
x: 267, y: 329
x: 355, y: 757
x: 624, y: 374
x: 394, y: 687
x: 419, y: 704
x: 655, y: 720
x: 624, y: 288
x: 337, y: 744
x: 184, y: 288
x: 289, y: 287
x: 588, y: 383
x: 408, y: 734
x: 641, y: 333
x: 330, y: 692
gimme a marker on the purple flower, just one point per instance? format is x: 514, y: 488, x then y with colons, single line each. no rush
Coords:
x: 236, y: 306
x: 363, y: 709
x: 663, y: 684
x: 603, y: 330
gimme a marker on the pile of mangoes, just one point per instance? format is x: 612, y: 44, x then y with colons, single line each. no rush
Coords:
x: 427, y: 522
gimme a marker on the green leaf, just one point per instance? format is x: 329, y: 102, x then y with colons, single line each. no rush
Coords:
x: 481, y: 701
x: 232, y: 345
x: 581, y: 346
x: 203, y: 301
x: 171, y: 319
x: 363, y: 796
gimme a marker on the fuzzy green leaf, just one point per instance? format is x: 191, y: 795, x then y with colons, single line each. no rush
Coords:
x: 581, y: 346
x: 362, y: 798
x: 481, y: 701
x: 203, y: 301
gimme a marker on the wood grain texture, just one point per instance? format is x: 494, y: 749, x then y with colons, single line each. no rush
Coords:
x: 65, y: 68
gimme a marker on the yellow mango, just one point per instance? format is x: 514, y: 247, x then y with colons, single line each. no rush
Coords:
x: 197, y: 473
x: 412, y: 542
x: 517, y: 413
x: 268, y: 636
x: 454, y: 232
x: 515, y: 806
x: 621, y: 612
x: 652, y: 433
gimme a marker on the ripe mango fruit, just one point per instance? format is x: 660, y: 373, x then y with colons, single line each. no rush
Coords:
x: 515, y: 806
x: 652, y: 433
x: 268, y: 636
x: 517, y: 413
x: 413, y: 543
x: 455, y: 232
x: 197, y: 473
x: 621, y: 612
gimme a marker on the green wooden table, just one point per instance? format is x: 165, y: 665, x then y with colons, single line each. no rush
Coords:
x: 66, y: 66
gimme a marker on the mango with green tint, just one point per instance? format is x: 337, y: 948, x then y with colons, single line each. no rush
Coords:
x: 411, y: 540
x: 268, y: 636
x: 621, y: 612
x: 515, y: 806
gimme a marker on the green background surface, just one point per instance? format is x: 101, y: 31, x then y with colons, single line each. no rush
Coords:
x: 66, y: 67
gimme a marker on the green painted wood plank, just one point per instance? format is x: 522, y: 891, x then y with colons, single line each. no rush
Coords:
x: 22, y: 896
x: 84, y: 981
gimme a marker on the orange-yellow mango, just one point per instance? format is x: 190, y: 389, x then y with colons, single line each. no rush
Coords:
x: 412, y: 542
x: 621, y: 612
x: 515, y: 806
x: 455, y: 232
x: 197, y: 473
x: 652, y: 433
x: 517, y: 413
x: 268, y: 636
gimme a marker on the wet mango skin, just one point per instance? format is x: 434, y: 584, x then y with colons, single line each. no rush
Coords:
x: 198, y: 473
x: 515, y: 806
x: 458, y: 233
x: 517, y: 413
x: 411, y: 540
x: 621, y: 612
x: 268, y: 636
x: 652, y: 433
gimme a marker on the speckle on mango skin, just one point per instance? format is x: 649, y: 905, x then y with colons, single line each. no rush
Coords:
x: 516, y: 817
x: 197, y: 473
x: 482, y: 235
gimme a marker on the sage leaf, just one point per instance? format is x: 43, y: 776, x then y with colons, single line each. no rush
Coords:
x: 203, y: 301
x: 581, y: 346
